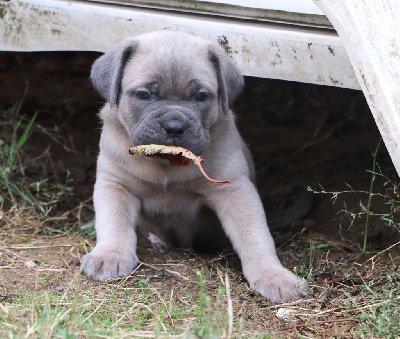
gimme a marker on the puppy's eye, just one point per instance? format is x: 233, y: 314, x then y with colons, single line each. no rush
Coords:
x: 143, y: 95
x: 202, y: 96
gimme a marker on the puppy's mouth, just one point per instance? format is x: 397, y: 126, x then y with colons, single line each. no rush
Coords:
x: 172, y: 132
x: 196, y: 149
x: 159, y: 156
x: 164, y: 156
x: 177, y: 156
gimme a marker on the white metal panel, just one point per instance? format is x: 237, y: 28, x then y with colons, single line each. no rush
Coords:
x: 294, y: 6
x: 259, y: 49
x: 282, y: 11
x: 371, y: 34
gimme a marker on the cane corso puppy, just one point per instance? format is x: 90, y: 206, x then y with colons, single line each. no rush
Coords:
x: 176, y: 89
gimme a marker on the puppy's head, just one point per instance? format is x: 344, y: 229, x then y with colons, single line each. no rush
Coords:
x: 168, y: 88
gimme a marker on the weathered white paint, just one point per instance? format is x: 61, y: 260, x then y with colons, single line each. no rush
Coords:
x: 370, y: 31
x: 259, y: 49
x: 294, y: 6
x: 289, y: 12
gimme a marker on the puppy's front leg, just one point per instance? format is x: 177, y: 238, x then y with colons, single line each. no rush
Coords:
x: 114, y: 255
x: 241, y: 213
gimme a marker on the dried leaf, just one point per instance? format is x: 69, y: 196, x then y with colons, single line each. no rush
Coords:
x: 176, y: 155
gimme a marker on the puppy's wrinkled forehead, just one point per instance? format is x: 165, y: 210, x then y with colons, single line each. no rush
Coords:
x: 173, y: 62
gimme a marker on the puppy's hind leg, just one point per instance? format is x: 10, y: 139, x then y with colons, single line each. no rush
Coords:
x: 157, y: 243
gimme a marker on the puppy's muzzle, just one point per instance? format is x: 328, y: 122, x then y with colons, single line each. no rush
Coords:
x: 171, y: 125
x: 174, y: 128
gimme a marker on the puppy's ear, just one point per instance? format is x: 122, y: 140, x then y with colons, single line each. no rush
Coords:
x: 230, y: 79
x: 107, y: 71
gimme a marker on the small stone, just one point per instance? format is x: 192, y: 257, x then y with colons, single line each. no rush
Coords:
x: 284, y: 313
x: 30, y: 264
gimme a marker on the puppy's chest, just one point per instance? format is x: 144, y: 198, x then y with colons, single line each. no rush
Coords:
x: 171, y: 201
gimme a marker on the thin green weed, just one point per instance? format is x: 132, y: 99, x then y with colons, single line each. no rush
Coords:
x: 390, y: 196
x: 214, y: 318
x: 29, y: 182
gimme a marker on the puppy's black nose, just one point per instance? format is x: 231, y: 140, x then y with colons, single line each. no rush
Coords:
x: 174, y: 128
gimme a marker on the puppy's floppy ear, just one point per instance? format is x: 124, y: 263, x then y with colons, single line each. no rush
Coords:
x: 230, y: 79
x: 107, y: 71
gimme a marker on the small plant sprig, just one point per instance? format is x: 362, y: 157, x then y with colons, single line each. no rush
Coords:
x: 11, y: 165
x: 17, y: 188
x: 391, y: 198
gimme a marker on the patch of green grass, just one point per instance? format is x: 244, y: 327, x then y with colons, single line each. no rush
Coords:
x: 12, y: 165
x: 74, y: 314
x: 79, y: 313
x: 379, y: 318
x: 30, y: 182
x: 13, y: 180
x: 48, y: 276
x: 209, y: 321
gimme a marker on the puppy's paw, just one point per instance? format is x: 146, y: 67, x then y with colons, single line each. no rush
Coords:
x: 157, y: 243
x: 101, y: 265
x: 279, y: 285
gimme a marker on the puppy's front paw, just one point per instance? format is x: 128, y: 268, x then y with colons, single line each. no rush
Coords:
x: 279, y: 285
x: 101, y: 265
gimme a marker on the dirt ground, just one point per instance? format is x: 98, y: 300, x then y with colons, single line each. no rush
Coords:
x: 299, y: 134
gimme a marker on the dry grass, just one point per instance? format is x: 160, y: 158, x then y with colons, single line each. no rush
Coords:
x: 185, y: 295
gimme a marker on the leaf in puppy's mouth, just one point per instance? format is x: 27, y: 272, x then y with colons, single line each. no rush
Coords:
x: 176, y: 155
